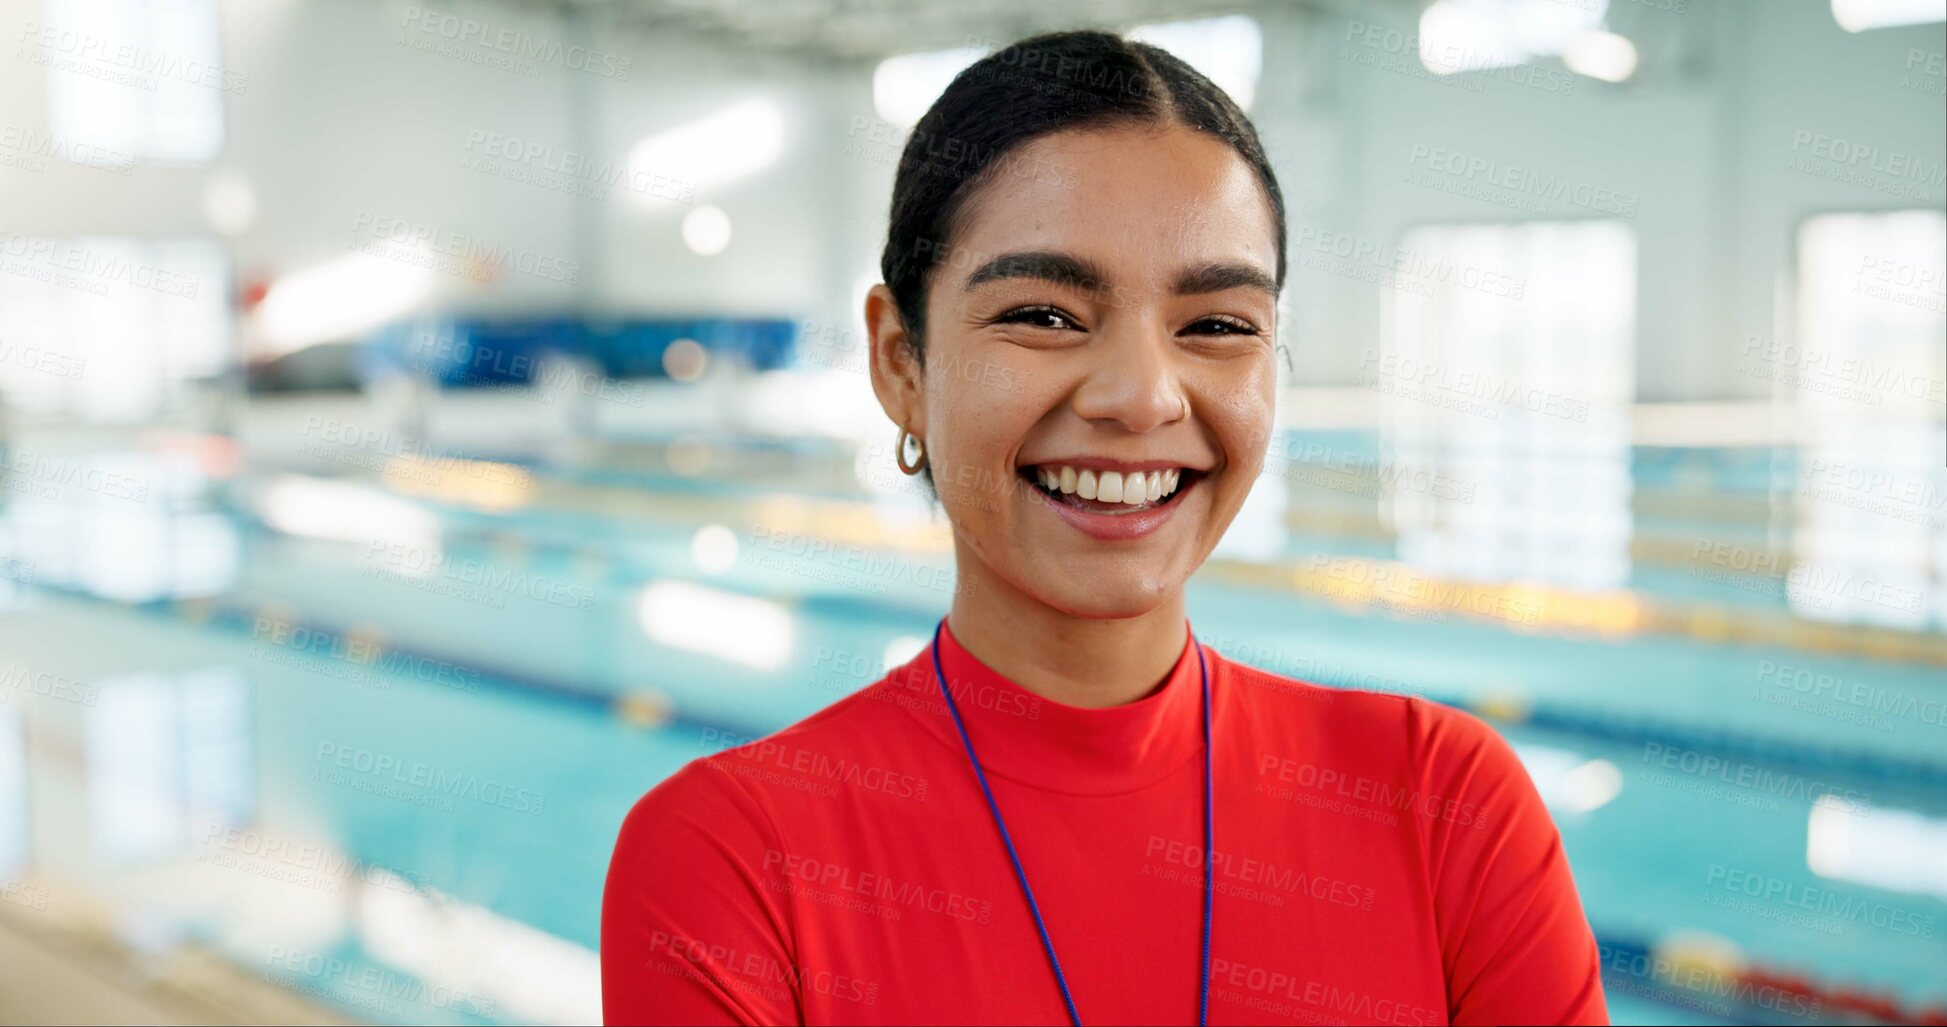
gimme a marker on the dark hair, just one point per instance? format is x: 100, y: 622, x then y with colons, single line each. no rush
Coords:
x: 1035, y: 87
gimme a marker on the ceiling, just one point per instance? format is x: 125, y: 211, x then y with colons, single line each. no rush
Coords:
x: 871, y: 29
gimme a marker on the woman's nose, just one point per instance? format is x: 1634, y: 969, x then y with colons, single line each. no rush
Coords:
x: 1132, y: 379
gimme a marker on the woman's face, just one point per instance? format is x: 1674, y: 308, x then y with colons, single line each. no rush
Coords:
x: 1105, y: 310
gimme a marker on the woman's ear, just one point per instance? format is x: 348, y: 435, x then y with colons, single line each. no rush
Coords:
x: 894, y: 363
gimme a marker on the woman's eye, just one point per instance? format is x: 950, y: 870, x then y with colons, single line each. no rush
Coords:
x: 1221, y: 326
x: 1038, y: 317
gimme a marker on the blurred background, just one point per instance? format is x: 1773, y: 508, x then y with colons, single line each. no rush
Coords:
x: 424, y: 426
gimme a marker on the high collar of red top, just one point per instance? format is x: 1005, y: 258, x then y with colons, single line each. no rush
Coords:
x: 1052, y: 746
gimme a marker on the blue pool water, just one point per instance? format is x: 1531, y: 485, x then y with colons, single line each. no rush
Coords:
x: 395, y: 790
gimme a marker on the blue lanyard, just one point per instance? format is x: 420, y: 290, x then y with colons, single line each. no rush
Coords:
x: 1209, y: 834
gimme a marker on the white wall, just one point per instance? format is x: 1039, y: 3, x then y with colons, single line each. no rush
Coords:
x: 1702, y: 136
x: 334, y: 117
x: 339, y: 116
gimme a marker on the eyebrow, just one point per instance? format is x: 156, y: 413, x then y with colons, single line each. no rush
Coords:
x: 1221, y: 276
x: 1070, y: 270
x: 1047, y: 265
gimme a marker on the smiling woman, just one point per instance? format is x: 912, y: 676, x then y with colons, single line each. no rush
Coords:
x: 1066, y: 808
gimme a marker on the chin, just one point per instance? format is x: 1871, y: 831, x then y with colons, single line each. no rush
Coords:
x: 1119, y: 602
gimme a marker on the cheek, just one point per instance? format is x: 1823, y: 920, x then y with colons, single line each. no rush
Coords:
x: 972, y: 432
x: 986, y: 410
x: 980, y: 420
x: 1244, y: 414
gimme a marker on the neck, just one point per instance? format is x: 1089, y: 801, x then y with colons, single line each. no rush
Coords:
x: 1076, y: 661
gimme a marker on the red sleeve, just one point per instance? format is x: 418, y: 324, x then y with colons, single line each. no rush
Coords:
x: 1515, y: 942
x: 690, y: 934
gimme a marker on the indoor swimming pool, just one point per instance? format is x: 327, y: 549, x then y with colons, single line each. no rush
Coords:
x: 296, y: 738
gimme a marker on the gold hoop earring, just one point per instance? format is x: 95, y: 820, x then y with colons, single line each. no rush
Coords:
x: 899, y: 452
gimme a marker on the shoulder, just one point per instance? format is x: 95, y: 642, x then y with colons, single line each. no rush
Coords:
x: 1366, y: 717
x: 1422, y: 725
x: 1447, y: 739
x: 1368, y: 735
x: 685, y: 812
x: 751, y: 777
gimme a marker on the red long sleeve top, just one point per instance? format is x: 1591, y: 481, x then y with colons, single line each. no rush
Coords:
x: 1378, y: 859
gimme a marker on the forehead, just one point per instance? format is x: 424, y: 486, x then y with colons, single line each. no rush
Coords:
x: 1142, y: 202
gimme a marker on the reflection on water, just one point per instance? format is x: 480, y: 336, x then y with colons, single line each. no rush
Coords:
x: 1570, y: 783
x: 1888, y: 848
x: 472, y: 960
x: 168, y: 762
x: 124, y: 525
x: 14, y: 843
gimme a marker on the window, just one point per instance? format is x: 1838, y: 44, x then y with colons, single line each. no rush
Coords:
x: 1508, y: 367
x: 709, y: 151
x: 1864, y: 382
x: 903, y: 87
x: 1860, y: 15
x: 1229, y: 51
x: 1475, y: 35
x: 138, y: 77
x: 109, y: 329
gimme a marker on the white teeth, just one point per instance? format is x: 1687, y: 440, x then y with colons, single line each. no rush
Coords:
x: 1134, y: 488
x: 1108, y: 488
